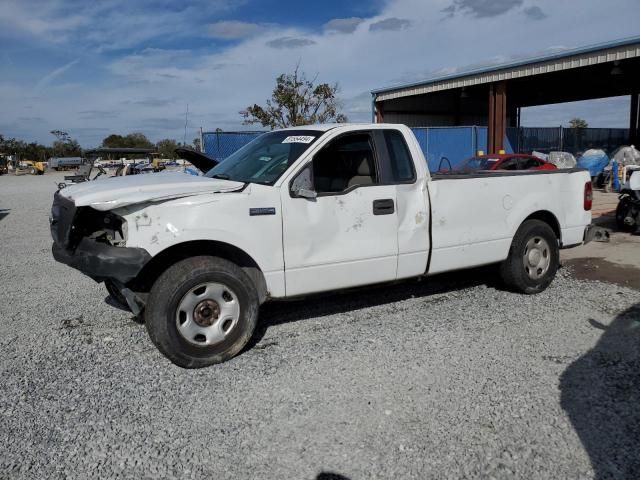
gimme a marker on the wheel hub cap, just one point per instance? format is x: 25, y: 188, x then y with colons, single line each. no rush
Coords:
x: 537, y: 257
x: 207, y: 313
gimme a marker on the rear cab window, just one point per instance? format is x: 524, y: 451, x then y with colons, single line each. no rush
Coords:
x: 400, y: 160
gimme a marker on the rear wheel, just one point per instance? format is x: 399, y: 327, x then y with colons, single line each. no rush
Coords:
x: 201, y: 311
x: 533, y: 258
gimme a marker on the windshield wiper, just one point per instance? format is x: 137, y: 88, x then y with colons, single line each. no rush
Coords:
x: 221, y: 176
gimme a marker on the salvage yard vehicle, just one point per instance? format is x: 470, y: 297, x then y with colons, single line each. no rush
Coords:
x: 305, y: 210
x: 628, y: 209
x: 3, y: 165
x: 65, y: 163
x: 35, y: 167
x: 505, y: 161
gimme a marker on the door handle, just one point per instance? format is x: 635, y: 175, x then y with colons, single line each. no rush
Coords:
x: 383, y: 206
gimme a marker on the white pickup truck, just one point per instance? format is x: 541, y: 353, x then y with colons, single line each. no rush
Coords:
x: 305, y: 210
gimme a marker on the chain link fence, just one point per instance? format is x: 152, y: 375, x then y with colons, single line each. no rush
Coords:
x: 219, y: 145
x: 451, y: 145
x: 572, y: 140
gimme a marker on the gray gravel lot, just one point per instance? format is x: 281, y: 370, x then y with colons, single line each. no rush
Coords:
x: 445, y: 378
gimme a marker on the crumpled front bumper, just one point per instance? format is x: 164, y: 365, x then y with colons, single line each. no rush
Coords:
x: 100, y: 261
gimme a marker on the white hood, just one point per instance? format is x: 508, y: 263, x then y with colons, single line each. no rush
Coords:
x: 109, y: 193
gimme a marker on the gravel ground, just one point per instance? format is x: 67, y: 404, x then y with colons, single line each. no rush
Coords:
x: 445, y: 378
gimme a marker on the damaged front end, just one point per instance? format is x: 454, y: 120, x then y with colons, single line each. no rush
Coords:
x: 94, y: 242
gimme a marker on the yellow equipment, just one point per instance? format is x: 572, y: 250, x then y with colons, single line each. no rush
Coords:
x: 35, y: 168
x: 158, y: 164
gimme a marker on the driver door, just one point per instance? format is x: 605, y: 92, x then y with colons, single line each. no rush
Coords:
x: 347, y: 235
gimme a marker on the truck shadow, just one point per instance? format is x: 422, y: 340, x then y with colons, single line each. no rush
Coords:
x: 330, y: 476
x: 321, y: 305
x: 601, y: 394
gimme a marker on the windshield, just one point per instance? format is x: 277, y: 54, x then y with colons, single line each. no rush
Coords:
x: 477, y: 163
x: 266, y: 158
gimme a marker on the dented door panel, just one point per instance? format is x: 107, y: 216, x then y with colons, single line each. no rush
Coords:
x: 413, y: 228
x: 336, y: 241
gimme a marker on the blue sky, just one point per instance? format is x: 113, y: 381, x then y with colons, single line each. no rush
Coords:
x: 116, y: 66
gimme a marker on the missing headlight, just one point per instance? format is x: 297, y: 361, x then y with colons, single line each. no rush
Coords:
x: 103, y: 227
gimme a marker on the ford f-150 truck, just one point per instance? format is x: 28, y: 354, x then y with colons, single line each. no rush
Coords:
x: 304, y: 210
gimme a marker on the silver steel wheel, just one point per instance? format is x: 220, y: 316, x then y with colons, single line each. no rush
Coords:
x: 536, y: 258
x: 207, y: 313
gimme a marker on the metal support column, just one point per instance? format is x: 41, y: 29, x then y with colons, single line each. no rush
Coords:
x: 379, y: 114
x: 497, y: 117
x: 634, y: 118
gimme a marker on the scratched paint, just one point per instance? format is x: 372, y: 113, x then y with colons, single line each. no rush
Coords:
x: 173, y: 229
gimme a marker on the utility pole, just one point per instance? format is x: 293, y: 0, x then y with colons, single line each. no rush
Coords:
x: 186, y: 120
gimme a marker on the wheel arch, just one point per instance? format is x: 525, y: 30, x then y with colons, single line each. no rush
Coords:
x: 180, y: 251
x: 549, y: 218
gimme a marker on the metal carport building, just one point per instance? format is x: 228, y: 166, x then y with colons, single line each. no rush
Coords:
x: 493, y: 96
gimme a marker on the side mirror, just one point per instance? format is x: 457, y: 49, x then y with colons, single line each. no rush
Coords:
x: 302, y: 185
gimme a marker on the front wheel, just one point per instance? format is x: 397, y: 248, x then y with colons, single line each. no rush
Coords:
x: 201, y: 311
x: 534, y: 257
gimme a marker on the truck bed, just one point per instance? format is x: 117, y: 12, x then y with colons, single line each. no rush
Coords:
x: 475, y: 215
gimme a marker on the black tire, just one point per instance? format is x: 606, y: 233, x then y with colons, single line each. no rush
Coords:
x: 621, y: 212
x: 169, y: 290
x: 517, y: 275
x: 116, y: 296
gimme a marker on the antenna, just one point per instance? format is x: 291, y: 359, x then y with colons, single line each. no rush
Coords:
x: 186, y: 120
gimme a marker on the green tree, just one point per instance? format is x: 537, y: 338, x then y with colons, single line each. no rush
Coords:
x: 138, y: 140
x: 24, y: 150
x: 113, y: 141
x: 132, y: 140
x: 64, y: 145
x: 578, y: 123
x: 296, y: 101
x: 196, y: 143
x: 166, y: 148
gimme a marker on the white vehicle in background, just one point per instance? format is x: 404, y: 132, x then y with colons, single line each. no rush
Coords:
x: 305, y: 210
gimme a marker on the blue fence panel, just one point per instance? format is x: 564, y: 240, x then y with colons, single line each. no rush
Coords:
x: 421, y: 136
x: 454, y: 144
x: 219, y: 145
x: 481, y: 139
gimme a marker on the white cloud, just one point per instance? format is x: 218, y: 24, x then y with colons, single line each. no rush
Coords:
x: 389, y: 24
x: 105, y: 25
x: 290, y: 42
x: 51, y: 76
x: 342, y: 25
x: 535, y: 13
x: 233, y: 29
x: 483, y: 8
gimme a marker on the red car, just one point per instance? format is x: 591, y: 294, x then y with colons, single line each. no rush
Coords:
x: 504, y: 161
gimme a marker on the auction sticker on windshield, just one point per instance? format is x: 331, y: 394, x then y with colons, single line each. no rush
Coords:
x: 299, y: 139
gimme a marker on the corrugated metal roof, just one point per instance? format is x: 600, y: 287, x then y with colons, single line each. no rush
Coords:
x: 557, y: 61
